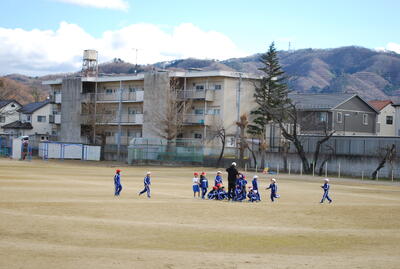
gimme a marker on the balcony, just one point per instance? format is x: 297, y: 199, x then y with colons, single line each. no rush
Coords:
x: 198, y: 119
x: 114, y: 97
x: 207, y: 95
x: 112, y: 119
x: 57, y: 119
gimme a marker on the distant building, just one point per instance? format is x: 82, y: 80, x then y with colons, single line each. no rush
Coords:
x: 8, y: 112
x: 346, y: 114
x: 34, y: 120
x: 132, y: 105
x: 386, y: 118
x: 396, y: 118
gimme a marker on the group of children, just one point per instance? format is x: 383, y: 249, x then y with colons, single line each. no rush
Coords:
x: 240, y: 192
x: 218, y: 191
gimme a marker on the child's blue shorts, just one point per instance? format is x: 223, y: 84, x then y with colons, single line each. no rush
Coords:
x: 196, y: 188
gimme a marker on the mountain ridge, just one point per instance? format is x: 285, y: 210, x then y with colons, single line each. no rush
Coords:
x: 371, y: 74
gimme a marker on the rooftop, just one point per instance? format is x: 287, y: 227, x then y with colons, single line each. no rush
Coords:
x: 6, y: 102
x: 18, y: 125
x: 32, y: 107
x: 380, y: 104
x: 319, y: 101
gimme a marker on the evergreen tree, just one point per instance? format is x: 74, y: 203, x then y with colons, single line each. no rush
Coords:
x: 272, y: 93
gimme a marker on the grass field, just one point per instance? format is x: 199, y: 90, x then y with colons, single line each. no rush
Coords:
x: 64, y: 215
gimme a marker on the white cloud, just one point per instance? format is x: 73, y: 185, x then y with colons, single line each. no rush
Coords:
x: 391, y: 47
x: 39, y: 52
x: 109, y: 4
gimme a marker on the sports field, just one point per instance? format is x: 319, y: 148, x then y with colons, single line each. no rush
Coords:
x: 63, y: 215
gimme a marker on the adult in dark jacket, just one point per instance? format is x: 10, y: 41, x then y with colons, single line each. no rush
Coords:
x: 232, y: 173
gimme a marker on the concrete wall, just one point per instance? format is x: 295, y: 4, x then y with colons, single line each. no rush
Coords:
x: 70, y: 110
x: 386, y: 129
x: 156, y: 85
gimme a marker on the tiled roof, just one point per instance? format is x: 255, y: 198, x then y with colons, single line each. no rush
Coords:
x: 32, y: 107
x: 319, y: 101
x: 18, y: 125
x: 380, y: 104
x: 6, y: 102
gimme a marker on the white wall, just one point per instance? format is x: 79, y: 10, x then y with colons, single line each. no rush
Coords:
x: 10, y: 113
x: 386, y: 129
x: 41, y: 127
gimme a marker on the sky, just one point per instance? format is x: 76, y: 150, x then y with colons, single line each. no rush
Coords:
x: 39, y: 37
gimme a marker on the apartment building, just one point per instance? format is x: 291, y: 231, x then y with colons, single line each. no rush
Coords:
x: 135, y: 106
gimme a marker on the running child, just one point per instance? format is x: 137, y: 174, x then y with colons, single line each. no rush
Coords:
x: 274, y: 189
x: 196, y: 183
x: 203, y: 184
x: 326, y: 187
x: 117, y: 182
x: 147, y: 183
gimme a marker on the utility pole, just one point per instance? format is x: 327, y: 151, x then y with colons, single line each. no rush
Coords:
x: 119, y: 121
x: 238, y: 110
x: 136, y: 57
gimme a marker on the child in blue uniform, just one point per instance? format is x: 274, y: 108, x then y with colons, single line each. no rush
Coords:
x: 196, y: 185
x: 203, y: 184
x: 326, y: 187
x: 274, y: 189
x: 147, y: 183
x: 213, y: 193
x: 117, y: 182
x: 218, y: 178
x: 254, y: 184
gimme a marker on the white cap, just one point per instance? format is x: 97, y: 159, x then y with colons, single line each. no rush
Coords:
x: 148, y: 173
x: 326, y: 179
x: 219, y: 172
x: 234, y: 164
x: 255, y: 176
x: 273, y: 179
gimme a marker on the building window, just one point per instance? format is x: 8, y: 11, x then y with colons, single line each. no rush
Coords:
x: 199, y: 87
x: 109, y: 91
x: 28, y: 118
x: 389, y: 120
x: 339, y: 117
x: 217, y: 87
x: 321, y: 116
x: 132, y: 111
x: 199, y: 111
x: 2, y: 119
x: 41, y: 118
x: 198, y: 136
x: 214, y: 111
x: 365, y: 119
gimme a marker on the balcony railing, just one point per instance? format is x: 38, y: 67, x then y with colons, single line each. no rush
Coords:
x: 126, y: 96
x: 198, y: 119
x: 112, y: 119
x: 207, y: 95
x: 112, y: 140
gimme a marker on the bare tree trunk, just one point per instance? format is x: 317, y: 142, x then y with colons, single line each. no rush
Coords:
x: 302, y: 155
x: 222, y: 151
x: 389, y: 152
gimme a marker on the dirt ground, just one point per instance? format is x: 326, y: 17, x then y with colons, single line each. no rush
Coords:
x: 62, y: 214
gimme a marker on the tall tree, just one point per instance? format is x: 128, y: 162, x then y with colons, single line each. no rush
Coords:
x: 270, y: 94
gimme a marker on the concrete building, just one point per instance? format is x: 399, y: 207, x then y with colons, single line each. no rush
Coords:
x: 135, y: 106
x: 8, y: 112
x: 34, y: 120
x: 396, y: 118
x: 386, y: 117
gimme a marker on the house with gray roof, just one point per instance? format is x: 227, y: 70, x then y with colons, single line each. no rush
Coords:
x: 34, y: 120
x: 346, y: 114
x: 8, y: 112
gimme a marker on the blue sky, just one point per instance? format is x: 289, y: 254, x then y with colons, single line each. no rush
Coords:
x: 236, y: 28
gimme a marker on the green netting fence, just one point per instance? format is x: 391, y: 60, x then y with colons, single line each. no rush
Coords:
x: 157, y: 150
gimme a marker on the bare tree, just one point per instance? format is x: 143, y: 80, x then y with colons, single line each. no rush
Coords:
x: 243, y: 145
x: 287, y: 119
x: 218, y: 131
x: 36, y: 94
x: 389, y: 154
x: 171, y: 121
x: 327, y: 158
